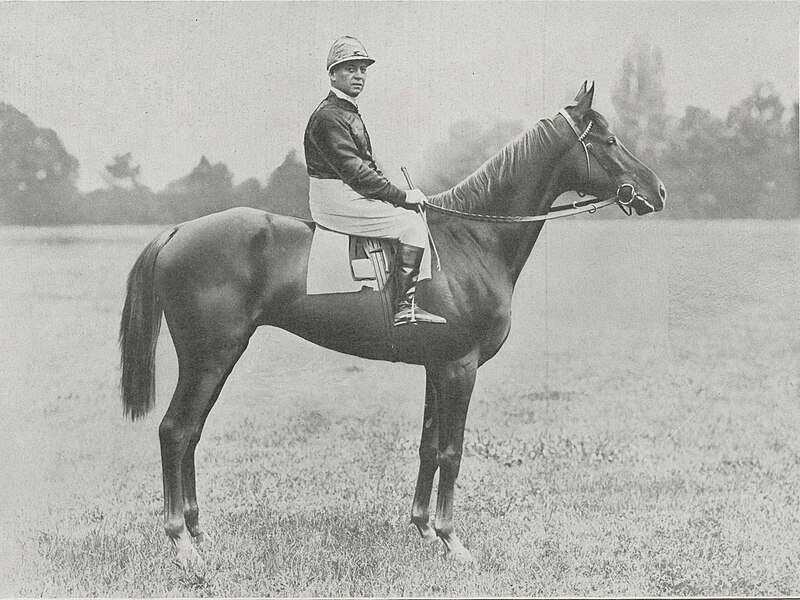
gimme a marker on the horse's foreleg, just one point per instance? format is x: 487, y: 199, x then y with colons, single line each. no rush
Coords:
x: 454, y: 383
x: 199, y: 384
x: 428, y: 451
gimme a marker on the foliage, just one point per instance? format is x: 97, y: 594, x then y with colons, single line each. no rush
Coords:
x: 743, y: 166
x: 287, y: 189
x: 37, y: 174
x: 639, y: 99
x: 208, y: 188
x: 122, y: 169
x: 117, y: 204
x: 746, y: 165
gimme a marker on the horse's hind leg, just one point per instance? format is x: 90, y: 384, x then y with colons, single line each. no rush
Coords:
x: 191, y: 510
x: 200, y: 380
x: 428, y: 452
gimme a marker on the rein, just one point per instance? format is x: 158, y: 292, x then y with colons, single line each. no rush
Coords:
x: 565, y: 210
x: 556, y: 212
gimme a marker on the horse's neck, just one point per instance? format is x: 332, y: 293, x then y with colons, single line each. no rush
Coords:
x: 497, y: 251
x: 523, y: 179
x: 513, y: 180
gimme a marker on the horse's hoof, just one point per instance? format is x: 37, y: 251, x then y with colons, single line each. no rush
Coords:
x: 461, y: 556
x: 455, y: 550
x: 199, y: 537
x: 427, y: 533
x: 189, y: 559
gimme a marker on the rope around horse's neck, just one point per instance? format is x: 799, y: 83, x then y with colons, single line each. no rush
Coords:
x: 556, y: 212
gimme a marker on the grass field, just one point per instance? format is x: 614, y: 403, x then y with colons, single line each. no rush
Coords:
x: 637, y: 435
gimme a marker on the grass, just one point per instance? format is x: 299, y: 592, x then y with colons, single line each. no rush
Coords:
x: 636, y: 436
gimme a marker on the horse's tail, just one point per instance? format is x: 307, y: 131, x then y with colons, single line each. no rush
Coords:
x: 138, y: 331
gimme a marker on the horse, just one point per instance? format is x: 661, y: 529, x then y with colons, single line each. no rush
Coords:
x: 219, y: 277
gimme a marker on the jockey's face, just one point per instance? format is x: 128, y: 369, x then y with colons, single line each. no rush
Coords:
x: 350, y: 77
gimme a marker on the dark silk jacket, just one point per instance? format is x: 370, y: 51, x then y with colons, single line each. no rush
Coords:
x: 337, y: 146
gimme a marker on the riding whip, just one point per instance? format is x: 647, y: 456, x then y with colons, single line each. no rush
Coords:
x: 424, y: 219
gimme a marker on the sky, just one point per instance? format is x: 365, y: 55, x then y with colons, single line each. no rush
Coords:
x: 237, y: 82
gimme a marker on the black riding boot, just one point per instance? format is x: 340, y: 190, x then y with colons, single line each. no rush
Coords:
x: 406, y: 272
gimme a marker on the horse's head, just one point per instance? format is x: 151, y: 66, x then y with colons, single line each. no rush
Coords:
x: 601, y: 166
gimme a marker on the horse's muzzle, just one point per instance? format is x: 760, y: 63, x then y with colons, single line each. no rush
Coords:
x: 629, y: 199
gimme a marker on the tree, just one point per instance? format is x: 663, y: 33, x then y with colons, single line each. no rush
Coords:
x: 208, y: 188
x: 37, y: 174
x: 640, y: 101
x: 761, y: 163
x: 694, y: 164
x: 117, y: 204
x: 122, y: 169
x: 286, y: 192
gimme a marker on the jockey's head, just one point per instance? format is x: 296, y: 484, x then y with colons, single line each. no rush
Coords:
x: 347, y: 65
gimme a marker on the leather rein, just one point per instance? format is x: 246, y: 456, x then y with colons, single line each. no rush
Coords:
x: 625, y: 192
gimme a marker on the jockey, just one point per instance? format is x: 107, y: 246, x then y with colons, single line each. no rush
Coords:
x: 349, y: 194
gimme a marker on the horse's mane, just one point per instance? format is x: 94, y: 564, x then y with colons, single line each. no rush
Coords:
x: 525, y: 155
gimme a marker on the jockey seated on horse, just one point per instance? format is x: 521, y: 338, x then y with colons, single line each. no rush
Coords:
x: 349, y: 193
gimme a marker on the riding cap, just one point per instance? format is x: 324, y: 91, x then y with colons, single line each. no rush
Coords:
x: 345, y: 49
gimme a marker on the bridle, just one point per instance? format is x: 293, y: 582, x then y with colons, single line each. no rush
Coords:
x: 626, y: 192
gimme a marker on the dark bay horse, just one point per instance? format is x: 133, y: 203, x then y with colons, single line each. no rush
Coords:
x: 217, y: 278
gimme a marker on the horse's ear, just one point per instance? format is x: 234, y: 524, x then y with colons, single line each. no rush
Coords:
x: 583, y: 101
x: 582, y: 92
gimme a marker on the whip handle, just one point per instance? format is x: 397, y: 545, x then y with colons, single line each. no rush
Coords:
x: 408, y: 177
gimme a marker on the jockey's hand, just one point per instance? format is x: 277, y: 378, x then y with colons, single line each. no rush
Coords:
x: 415, y: 197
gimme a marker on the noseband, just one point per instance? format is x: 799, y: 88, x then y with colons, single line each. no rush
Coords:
x: 626, y: 192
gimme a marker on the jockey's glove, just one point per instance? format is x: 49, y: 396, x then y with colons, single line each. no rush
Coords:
x: 415, y: 197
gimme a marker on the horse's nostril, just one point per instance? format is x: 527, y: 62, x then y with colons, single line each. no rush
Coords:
x: 662, y: 192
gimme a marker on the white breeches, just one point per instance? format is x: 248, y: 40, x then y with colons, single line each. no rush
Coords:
x: 338, y: 207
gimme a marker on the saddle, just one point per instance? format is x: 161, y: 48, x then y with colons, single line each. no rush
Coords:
x: 341, y: 263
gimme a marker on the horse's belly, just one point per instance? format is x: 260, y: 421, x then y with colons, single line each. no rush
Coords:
x: 361, y: 325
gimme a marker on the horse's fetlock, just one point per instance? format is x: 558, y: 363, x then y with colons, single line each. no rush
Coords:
x: 444, y: 531
x: 191, y: 514
x: 419, y: 516
x: 174, y: 529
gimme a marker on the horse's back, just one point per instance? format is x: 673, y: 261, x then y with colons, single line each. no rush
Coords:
x: 230, y: 235
x: 243, y: 255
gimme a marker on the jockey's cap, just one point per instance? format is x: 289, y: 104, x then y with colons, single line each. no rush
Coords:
x: 345, y: 49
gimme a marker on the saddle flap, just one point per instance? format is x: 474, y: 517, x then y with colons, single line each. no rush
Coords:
x: 340, y: 263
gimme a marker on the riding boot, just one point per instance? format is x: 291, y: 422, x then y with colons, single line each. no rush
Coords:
x: 406, y: 273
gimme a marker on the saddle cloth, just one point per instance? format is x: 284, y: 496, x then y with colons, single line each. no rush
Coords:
x: 341, y: 263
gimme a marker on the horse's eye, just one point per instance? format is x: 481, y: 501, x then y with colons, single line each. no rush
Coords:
x: 612, y: 141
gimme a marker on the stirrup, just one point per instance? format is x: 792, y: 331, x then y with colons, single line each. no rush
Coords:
x: 412, y: 315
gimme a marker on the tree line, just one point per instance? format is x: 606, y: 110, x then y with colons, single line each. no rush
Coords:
x: 38, y: 185
x: 746, y: 165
